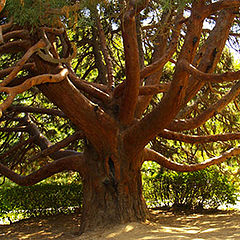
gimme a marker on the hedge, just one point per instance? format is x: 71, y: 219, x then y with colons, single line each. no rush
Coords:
x: 202, y: 189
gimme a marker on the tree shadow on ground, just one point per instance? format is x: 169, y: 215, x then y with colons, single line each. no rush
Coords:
x: 164, y: 225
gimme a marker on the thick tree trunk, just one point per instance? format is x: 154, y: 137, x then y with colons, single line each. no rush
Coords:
x: 111, y: 195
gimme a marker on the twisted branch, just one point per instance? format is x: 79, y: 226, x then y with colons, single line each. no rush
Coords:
x: 21, y: 63
x: 58, y: 146
x: 47, y: 56
x: 214, y: 78
x: 181, y: 125
x: 151, y: 155
x: 198, y: 139
x: 13, y: 91
x: 74, y: 163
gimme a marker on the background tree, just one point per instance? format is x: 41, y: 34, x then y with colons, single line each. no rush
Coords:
x: 78, y: 83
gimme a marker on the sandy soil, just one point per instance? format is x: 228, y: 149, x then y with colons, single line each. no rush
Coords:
x: 165, y: 225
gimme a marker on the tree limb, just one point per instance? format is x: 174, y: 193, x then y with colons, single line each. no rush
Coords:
x: 171, y: 103
x: 132, y: 82
x: 90, y: 89
x: 151, y: 155
x: 213, y: 78
x: 56, y: 147
x: 219, y: 5
x: 22, y: 34
x: 13, y: 91
x: 194, y: 139
x: 16, y: 108
x: 74, y: 163
x: 6, y: 71
x: 210, y: 53
x: 15, y: 46
x: 137, y: 6
x: 20, y: 64
x: 157, y: 65
x: 106, y: 55
x: 181, y: 125
x: 154, y: 89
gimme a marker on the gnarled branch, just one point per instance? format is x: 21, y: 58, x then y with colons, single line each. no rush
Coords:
x: 20, y: 64
x: 13, y: 91
x: 181, y: 125
x: 132, y: 82
x: 26, y: 109
x: 151, y: 155
x: 90, y: 89
x: 56, y: 147
x: 74, y: 163
x: 198, y: 139
x: 213, y: 78
x: 15, y: 46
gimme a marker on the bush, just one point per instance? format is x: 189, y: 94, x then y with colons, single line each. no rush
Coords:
x: 207, y: 188
x: 202, y: 189
x: 42, y: 199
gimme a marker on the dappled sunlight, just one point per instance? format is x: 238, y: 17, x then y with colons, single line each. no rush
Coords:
x: 169, y: 226
x: 54, y: 227
x: 165, y: 225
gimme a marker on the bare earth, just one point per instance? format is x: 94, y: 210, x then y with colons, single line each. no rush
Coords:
x: 165, y: 225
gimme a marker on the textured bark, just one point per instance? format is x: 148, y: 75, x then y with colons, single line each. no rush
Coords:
x: 112, y: 191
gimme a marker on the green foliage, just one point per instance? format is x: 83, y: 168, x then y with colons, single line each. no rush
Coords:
x: 33, y: 12
x: 36, y: 13
x: 38, y: 200
x: 169, y: 4
x: 202, y: 189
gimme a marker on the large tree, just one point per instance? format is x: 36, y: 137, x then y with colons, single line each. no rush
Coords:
x: 100, y: 67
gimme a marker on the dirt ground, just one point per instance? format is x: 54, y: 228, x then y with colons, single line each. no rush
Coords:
x: 165, y: 225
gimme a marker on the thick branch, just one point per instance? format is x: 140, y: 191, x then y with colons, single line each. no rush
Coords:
x: 219, y: 5
x: 90, y: 89
x: 162, y: 52
x: 154, y: 89
x: 58, y: 146
x: 15, y: 46
x: 181, y: 125
x: 131, y: 90
x: 21, y: 63
x: 157, y: 65
x: 74, y: 163
x: 22, y: 34
x: 167, y: 109
x: 198, y: 139
x: 44, y: 143
x: 211, y: 51
x: 6, y: 71
x: 96, y: 124
x: 36, y: 110
x: 213, y: 78
x: 151, y: 155
x: 106, y: 54
x: 137, y: 6
x: 13, y: 91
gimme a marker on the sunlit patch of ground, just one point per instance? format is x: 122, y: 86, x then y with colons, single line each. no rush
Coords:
x: 165, y: 225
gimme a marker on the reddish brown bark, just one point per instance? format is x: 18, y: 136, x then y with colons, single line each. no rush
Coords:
x: 112, y: 191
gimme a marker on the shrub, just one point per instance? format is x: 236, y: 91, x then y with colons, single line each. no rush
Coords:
x: 207, y: 188
x: 41, y: 199
x: 202, y: 189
